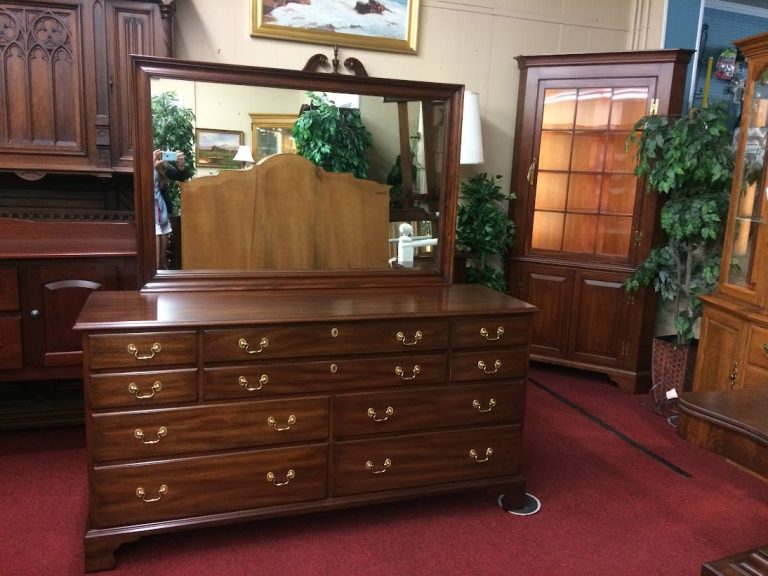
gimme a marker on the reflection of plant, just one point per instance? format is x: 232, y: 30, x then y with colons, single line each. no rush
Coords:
x: 395, y: 176
x: 331, y: 137
x: 483, y: 229
x: 174, y: 129
x: 690, y: 160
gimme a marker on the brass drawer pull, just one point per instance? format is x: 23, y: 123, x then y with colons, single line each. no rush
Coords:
x: 400, y: 372
x: 263, y: 345
x: 139, y: 434
x: 160, y: 492
x: 134, y: 351
x: 476, y: 457
x: 484, y: 367
x: 487, y: 335
x: 491, y: 403
x: 156, y: 387
x: 765, y: 348
x: 371, y: 467
x: 416, y: 337
x: 387, y: 413
x: 273, y: 423
x: 243, y: 381
x: 291, y: 474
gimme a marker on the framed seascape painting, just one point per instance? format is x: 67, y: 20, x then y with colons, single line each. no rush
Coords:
x: 217, y: 148
x: 388, y: 25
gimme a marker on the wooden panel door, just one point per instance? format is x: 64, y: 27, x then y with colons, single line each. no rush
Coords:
x: 41, y: 85
x: 718, y: 365
x: 132, y: 28
x: 54, y: 294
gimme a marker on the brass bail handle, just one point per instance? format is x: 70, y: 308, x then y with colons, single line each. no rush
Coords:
x: 141, y: 493
x: 272, y: 422
x: 477, y: 406
x: 290, y: 475
x: 134, y: 389
x: 376, y: 418
x: 485, y: 333
x: 133, y: 350
x: 244, y: 345
x: 403, y: 339
x: 481, y: 365
x: 371, y: 467
x: 476, y: 457
x: 399, y: 371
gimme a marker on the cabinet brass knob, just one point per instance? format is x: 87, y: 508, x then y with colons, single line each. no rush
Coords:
x: 133, y: 350
x: 376, y: 418
x: 141, y: 493
x: 290, y: 422
x: 290, y: 475
x: 404, y: 339
x: 477, y: 406
x: 487, y: 335
x: 134, y: 389
x: 263, y: 345
x: 371, y: 467
x: 476, y: 457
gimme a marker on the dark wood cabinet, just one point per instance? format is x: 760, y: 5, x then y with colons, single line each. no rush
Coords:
x: 65, y: 80
x: 583, y: 220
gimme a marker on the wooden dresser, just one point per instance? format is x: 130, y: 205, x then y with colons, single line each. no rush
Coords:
x: 206, y: 408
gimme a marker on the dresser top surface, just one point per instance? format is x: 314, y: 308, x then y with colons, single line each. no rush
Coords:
x: 124, y: 310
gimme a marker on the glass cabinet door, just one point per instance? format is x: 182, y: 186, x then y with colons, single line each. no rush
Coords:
x: 741, y: 265
x: 585, y: 192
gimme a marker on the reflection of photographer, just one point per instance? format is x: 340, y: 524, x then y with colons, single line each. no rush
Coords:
x: 165, y: 171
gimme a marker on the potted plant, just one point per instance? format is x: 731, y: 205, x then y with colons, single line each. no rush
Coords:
x: 689, y: 160
x: 331, y: 137
x: 174, y: 129
x: 483, y: 230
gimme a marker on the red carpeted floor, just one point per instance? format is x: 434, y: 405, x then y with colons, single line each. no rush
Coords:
x: 609, y: 508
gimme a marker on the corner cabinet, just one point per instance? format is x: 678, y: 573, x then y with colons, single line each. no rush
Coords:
x: 583, y: 220
x: 65, y: 80
x: 733, y: 348
x: 205, y: 408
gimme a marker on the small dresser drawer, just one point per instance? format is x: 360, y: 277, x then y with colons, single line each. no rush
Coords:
x: 143, y: 389
x: 172, y: 431
x: 489, y: 364
x: 9, y: 289
x: 136, y: 493
x: 269, y: 379
x: 757, y: 351
x: 444, y: 407
x: 145, y: 349
x: 425, y: 459
x: 489, y: 332
x: 266, y: 342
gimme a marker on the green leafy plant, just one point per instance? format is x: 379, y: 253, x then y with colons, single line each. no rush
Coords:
x: 174, y: 129
x: 331, y: 137
x: 689, y: 160
x: 483, y: 229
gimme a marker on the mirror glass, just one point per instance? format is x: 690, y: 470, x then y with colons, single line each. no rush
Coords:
x: 279, y: 215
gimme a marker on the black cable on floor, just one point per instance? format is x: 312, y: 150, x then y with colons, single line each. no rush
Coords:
x: 599, y: 422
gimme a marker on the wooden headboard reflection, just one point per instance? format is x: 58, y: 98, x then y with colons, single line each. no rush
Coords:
x: 284, y: 213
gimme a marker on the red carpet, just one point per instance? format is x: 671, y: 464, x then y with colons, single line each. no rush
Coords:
x: 608, y: 508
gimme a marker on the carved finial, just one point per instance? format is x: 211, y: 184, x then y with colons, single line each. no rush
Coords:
x: 335, y: 59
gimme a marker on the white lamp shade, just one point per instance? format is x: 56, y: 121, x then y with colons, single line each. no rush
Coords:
x: 471, y: 133
x: 244, y: 154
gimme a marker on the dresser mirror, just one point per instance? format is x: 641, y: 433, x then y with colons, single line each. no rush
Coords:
x: 282, y: 222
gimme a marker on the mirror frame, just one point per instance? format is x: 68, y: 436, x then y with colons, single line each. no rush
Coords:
x: 145, y: 68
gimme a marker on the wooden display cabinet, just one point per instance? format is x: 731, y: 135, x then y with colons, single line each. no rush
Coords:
x: 736, y: 313
x: 583, y: 220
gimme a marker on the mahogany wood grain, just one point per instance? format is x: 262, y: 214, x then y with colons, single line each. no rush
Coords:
x: 142, y: 389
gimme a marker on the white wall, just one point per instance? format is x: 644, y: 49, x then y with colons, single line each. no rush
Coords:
x: 472, y: 43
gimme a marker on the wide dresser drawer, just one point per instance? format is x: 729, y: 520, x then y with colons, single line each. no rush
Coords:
x: 425, y: 459
x: 135, y: 493
x: 269, y: 379
x: 364, y: 413
x: 286, y: 341
x: 197, y: 429
x: 142, y: 350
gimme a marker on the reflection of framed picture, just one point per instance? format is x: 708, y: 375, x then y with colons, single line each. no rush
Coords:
x: 217, y: 148
x: 271, y: 134
x: 372, y: 24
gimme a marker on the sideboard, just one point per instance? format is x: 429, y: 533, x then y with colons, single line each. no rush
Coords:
x: 205, y: 408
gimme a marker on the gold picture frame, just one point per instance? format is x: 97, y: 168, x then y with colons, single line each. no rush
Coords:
x: 217, y: 148
x: 271, y: 134
x: 387, y: 25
